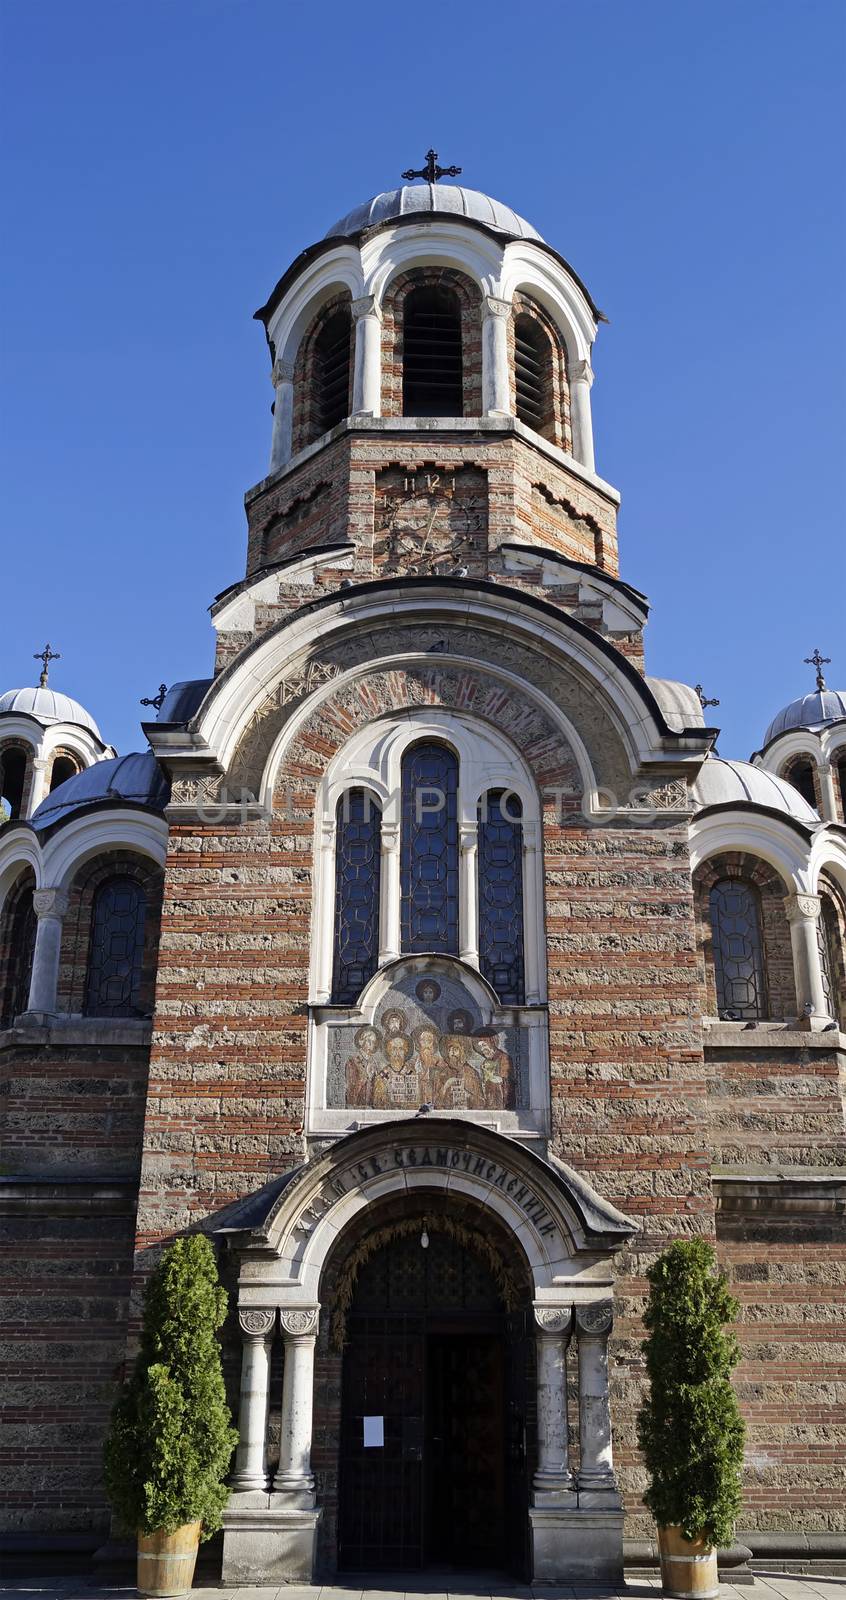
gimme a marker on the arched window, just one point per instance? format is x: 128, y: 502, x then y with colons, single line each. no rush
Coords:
x: 64, y: 767
x: 332, y: 370
x: 738, y: 950
x: 501, y: 895
x: 801, y: 774
x: 828, y: 939
x: 116, y: 950
x: 357, y: 877
x: 429, y: 850
x: 531, y: 372
x: 432, y: 369
x: 840, y: 768
x: 12, y: 781
x: 22, y: 930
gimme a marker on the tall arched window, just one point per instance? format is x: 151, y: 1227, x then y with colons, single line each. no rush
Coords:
x: 432, y: 368
x: 22, y: 930
x: 332, y: 370
x: 501, y: 895
x: 116, y: 950
x: 738, y: 949
x: 531, y: 372
x: 429, y: 850
x: 64, y: 767
x: 828, y: 939
x: 12, y: 782
x: 801, y: 774
x: 357, y: 877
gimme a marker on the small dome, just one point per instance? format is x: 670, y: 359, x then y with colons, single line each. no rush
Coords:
x: 810, y: 711
x: 726, y: 783
x: 135, y: 780
x: 440, y: 199
x: 47, y: 707
x: 680, y: 705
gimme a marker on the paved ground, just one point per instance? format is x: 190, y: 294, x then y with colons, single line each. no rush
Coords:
x: 768, y: 1586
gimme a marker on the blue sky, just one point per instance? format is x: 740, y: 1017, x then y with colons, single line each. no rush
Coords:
x: 164, y: 160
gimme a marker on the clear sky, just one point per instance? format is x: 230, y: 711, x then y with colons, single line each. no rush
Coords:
x: 166, y: 159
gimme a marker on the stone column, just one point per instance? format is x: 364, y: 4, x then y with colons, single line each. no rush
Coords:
x: 468, y: 894
x: 294, y: 1479
x: 531, y: 951
x: 257, y: 1326
x: 282, y: 378
x: 580, y: 377
x: 50, y: 908
x: 325, y: 932
x: 596, y: 1469
x: 553, y: 1481
x: 496, y: 388
x: 803, y: 912
x: 389, y: 911
x: 38, y: 789
x: 367, y: 370
x: 827, y: 793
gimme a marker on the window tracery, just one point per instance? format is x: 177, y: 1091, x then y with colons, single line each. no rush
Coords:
x: 738, y: 950
x: 357, y: 884
x: 116, y: 949
x: 501, y: 894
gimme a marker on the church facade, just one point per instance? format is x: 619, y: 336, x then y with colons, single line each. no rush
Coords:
x: 432, y: 962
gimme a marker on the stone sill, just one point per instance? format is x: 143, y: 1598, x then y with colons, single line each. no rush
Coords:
x: 781, y: 1194
x: 769, y: 1036
x: 477, y: 427
x: 68, y: 1197
x: 44, y: 1029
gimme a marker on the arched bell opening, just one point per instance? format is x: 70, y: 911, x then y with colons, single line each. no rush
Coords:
x: 425, y: 1391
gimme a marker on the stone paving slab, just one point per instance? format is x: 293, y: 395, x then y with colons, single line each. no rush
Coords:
x: 769, y: 1586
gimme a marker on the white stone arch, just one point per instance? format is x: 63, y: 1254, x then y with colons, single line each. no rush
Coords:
x: 19, y: 849
x: 335, y: 272
x: 81, y: 838
x: 782, y: 846
x: 441, y: 244
x: 828, y: 854
x: 532, y: 270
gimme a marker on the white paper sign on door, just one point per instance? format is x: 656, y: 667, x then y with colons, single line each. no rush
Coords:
x: 374, y: 1433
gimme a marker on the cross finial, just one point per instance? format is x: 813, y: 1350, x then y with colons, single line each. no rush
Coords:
x: 818, y: 661
x: 46, y: 656
x: 157, y: 700
x: 432, y: 172
x: 703, y: 699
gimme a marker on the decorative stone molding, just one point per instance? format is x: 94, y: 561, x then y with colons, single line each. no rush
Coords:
x: 671, y: 796
x: 581, y: 371
x: 802, y: 907
x: 197, y: 791
x: 492, y: 307
x: 305, y: 679
x: 595, y: 1318
x: 256, y: 1323
x: 283, y: 372
x: 299, y: 1322
x: 367, y: 306
x: 554, y: 1319
x: 50, y: 903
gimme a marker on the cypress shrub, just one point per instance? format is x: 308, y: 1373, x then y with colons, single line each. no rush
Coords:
x: 690, y: 1430
x: 171, y: 1436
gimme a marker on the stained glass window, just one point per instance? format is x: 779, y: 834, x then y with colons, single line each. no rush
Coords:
x: 357, y: 869
x: 22, y: 948
x: 429, y: 850
x: 116, y: 950
x: 827, y: 939
x: 738, y: 953
x: 501, y: 895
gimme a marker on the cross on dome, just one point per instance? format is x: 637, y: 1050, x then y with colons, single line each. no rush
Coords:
x: 818, y: 661
x: 46, y: 656
x: 432, y: 172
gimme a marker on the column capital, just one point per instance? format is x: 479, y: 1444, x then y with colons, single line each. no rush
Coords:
x: 493, y: 307
x: 256, y: 1322
x: 554, y: 1320
x: 802, y: 907
x: 50, y: 903
x: 594, y: 1319
x: 300, y: 1322
x: 580, y: 372
x: 366, y: 306
x: 283, y: 372
x: 468, y: 835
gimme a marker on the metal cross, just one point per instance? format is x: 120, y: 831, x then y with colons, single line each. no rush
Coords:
x: 46, y: 656
x: 432, y: 172
x: 818, y: 661
x: 158, y: 699
x: 703, y: 699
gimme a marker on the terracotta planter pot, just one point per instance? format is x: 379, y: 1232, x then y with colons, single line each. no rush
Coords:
x: 688, y: 1566
x: 166, y: 1561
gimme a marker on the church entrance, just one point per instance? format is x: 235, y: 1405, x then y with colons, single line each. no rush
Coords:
x: 437, y: 1406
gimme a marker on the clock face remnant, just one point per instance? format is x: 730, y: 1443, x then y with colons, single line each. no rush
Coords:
x: 431, y: 523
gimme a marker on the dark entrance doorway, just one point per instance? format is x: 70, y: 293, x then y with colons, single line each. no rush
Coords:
x: 436, y: 1425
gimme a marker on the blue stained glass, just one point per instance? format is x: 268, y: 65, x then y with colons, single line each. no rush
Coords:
x: 357, y: 871
x: 501, y: 895
x: 429, y: 850
x: 738, y: 953
x: 116, y: 950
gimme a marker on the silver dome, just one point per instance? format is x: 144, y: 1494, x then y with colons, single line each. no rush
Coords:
x: 809, y: 711
x: 726, y: 783
x: 440, y: 199
x: 47, y: 706
x: 680, y: 704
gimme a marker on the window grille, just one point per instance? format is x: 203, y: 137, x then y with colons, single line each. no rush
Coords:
x: 116, y: 950
x: 332, y: 370
x: 432, y: 372
x: 738, y: 950
x: 24, y: 926
x: 500, y: 857
x: 357, y: 879
x: 530, y: 361
x: 429, y: 850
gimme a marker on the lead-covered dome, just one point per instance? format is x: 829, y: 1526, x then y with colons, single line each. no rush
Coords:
x: 809, y: 711
x: 726, y: 783
x: 47, y: 706
x: 433, y: 199
x: 131, y: 780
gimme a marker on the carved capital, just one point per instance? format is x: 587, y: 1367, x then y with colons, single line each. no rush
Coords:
x: 283, y: 372
x: 256, y: 1322
x: 554, y: 1319
x: 366, y: 307
x: 299, y: 1322
x: 50, y: 903
x: 580, y: 372
x: 491, y: 307
x: 468, y: 836
x: 595, y: 1318
x: 802, y: 907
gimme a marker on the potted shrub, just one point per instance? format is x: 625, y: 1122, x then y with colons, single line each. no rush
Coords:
x: 171, y: 1436
x: 689, y: 1428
